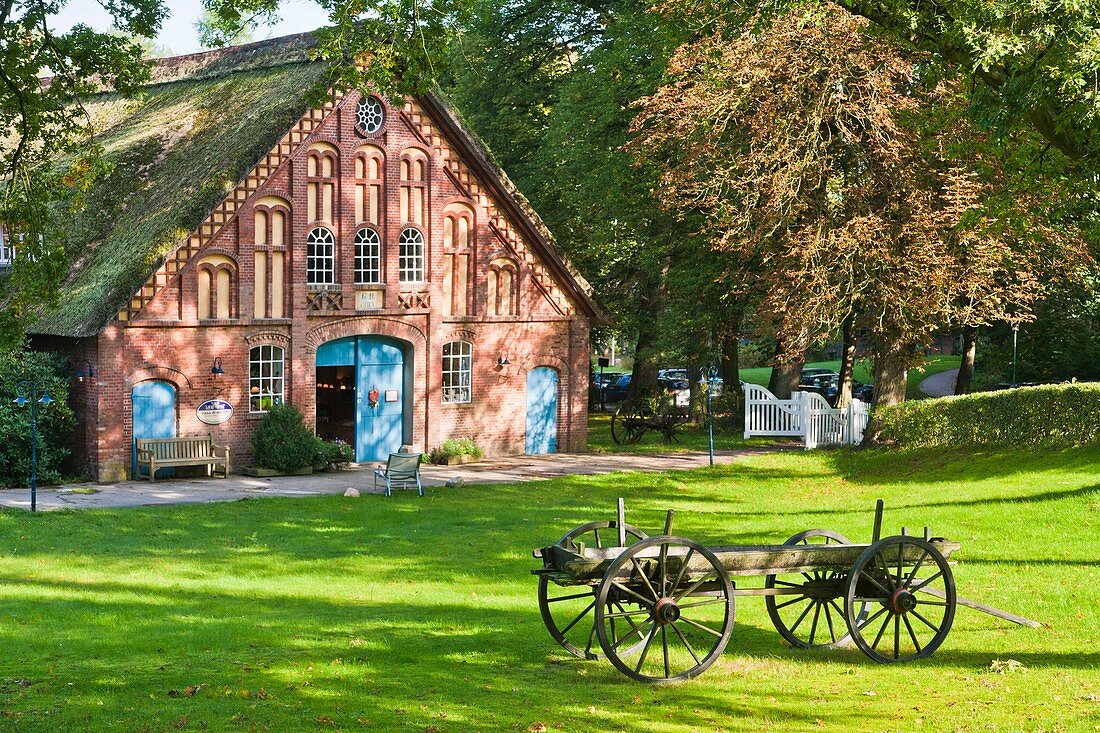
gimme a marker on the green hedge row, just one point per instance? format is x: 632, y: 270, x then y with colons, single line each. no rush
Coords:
x: 1051, y: 415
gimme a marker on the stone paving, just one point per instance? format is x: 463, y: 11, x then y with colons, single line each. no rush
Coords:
x: 492, y: 471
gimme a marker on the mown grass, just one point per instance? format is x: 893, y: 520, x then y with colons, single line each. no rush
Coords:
x: 419, y: 614
x: 690, y: 438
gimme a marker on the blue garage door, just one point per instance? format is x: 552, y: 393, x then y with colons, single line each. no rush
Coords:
x: 542, y: 410
x: 380, y: 372
x: 154, y: 416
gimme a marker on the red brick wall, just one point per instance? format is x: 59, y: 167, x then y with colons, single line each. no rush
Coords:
x: 167, y: 341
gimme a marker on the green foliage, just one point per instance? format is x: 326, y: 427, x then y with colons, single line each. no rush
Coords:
x: 454, y: 447
x: 1056, y: 416
x: 282, y: 441
x: 55, y: 421
x: 335, y: 453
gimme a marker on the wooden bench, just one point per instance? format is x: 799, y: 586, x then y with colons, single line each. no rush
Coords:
x: 200, y: 450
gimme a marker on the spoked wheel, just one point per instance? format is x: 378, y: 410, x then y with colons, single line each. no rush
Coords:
x: 567, y: 611
x: 811, y: 616
x: 683, y: 610
x: 630, y: 422
x: 910, y: 593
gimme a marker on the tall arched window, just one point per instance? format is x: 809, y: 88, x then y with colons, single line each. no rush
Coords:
x: 457, y: 371
x: 265, y: 377
x: 500, y: 291
x: 413, y: 196
x: 369, y: 174
x: 217, y: 298
x: 320, y: 257
x: 322, y: 161
x: 368, y: 257
x: 410, y: 256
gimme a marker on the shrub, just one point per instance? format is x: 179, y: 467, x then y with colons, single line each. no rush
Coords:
x: 1050, y: 415
x: 55, y: 421
x: 332, y: 453
x: 454, y: 447
x: 282, y: 442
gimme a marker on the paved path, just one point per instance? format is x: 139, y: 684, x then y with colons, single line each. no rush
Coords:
x: 939, y: 385
x: 498, y: 470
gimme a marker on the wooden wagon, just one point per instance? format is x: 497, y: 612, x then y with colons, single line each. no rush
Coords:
x: 662, y: 608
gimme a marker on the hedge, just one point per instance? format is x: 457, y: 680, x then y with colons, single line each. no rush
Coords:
x: 1059, y: 415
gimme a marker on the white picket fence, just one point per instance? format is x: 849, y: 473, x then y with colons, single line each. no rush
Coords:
x: 806, y: 415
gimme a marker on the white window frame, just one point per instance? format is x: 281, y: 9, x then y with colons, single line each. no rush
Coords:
x: 266, y: 377
x: 410, y: 256
x: 370, y: 115
x: 320, y: 266
x: 458, y: 361
x: 368, y: 257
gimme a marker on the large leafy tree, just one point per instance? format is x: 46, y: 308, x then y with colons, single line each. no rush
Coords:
x: 843, y: 188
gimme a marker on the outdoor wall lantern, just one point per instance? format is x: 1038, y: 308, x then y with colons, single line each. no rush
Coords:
x: 84, y: 370
x: 503, y: 360
x: 217, y: 370
x: 33, y: 388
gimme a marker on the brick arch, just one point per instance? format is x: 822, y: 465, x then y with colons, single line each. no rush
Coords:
x: 146, y: 372
x: 546, y: 360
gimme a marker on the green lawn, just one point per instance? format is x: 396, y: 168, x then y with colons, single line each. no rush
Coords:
x: 419, y: 614
x: 687, y: 439
x: 862, y: 372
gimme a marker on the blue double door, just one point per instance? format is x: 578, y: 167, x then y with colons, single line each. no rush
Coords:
x: 363, y: 381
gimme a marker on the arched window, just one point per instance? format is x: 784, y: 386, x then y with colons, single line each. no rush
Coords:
x: 457, y: 371
x: 215, y: 275
x: 265, y: 377
x: 410, y: 256
x: 413, y: 196
x: 368, y: 257
x: 369, y: 173
x: 322, y: 160
x: 320, y: 257
x: 500, y: 291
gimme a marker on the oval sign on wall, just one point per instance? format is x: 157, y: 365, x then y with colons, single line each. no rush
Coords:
x: 214, y: 412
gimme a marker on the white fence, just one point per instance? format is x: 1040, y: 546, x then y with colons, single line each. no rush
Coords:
x: 806, y: 415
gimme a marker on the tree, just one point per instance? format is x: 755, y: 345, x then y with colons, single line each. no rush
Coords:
x: 839, y: 182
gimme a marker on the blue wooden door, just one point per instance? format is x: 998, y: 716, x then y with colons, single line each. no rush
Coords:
x: 154, y: 416
x: 542, y: 410
x: 381, y: 373
x: 379, y: 364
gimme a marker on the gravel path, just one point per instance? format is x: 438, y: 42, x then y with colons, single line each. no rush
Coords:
x: 512, y: 469
x: 940, y: 385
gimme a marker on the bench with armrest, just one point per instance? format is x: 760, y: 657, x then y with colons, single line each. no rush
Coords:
x: 200, y: 450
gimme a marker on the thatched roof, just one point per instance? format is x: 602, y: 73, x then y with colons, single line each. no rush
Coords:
x: 204, y: 121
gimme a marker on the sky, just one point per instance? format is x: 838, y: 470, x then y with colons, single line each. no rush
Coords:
x: 178, y: 31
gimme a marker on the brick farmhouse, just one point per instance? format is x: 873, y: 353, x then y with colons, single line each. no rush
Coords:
x: 375, y: 268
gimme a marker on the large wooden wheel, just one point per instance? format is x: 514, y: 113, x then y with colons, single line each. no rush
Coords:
x: 909, y: 591
x: 811, y: 614
x: 630, y: 422
x: 682, y: 610
x: 568, y: 611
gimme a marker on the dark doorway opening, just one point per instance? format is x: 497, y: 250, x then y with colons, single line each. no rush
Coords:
x: 336, y: 403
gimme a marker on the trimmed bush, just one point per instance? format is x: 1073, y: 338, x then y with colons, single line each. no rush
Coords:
x: 55, y: 421
x: 454, y: 447
x: 282, y: 442
x: 1060, y: 415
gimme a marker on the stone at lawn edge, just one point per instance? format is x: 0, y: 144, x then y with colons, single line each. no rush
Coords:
x: 351, y: 493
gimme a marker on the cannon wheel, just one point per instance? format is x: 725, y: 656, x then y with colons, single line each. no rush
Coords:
x: 567, y: 610
x: 916, y: 604
x: 814, y: 618
x: 630, y: 422
x: 684, y: 621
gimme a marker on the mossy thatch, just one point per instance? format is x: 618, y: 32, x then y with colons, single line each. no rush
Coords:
x: 203, y: 123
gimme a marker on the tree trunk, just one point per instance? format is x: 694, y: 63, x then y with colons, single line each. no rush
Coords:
x: 729, y: 367
x: 966, y: 367
x: 786, y: 373
x: 651, y: 311
x: 847, y: 362
x: 891, y: 373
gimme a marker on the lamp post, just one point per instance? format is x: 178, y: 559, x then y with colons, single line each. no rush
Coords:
x: 33, y: 387
x: 712, y: 376
x: 1015, y: 333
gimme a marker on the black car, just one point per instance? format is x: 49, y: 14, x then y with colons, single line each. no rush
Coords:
x: 616, y: 391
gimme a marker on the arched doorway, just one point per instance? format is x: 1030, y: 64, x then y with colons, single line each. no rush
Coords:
x: 542, y: 411
x: 363, y: 388
x: 154, y: 416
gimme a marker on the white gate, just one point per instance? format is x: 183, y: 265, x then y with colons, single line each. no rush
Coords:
x: 806, y: 415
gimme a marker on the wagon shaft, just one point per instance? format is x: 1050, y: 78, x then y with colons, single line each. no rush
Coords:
x: 568, y: 567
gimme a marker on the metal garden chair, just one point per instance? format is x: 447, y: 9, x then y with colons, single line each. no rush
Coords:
x: 402, y: 471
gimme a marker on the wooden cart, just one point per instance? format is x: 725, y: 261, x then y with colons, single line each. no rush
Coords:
x: 662, y: 608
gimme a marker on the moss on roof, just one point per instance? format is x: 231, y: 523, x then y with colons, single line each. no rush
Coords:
x: 203, y: 123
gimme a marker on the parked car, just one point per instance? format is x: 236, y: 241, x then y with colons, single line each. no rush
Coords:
x: 816, y: 372
x: 864, y: 392
x: 827, y: 385
x: 616, y: 391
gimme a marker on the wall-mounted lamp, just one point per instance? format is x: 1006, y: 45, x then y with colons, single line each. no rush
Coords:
x: 84, y: 370
x: 217, y: 370
x: 502, y: 360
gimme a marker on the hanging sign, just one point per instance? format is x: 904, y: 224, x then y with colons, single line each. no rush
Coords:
x: 214, y: 412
